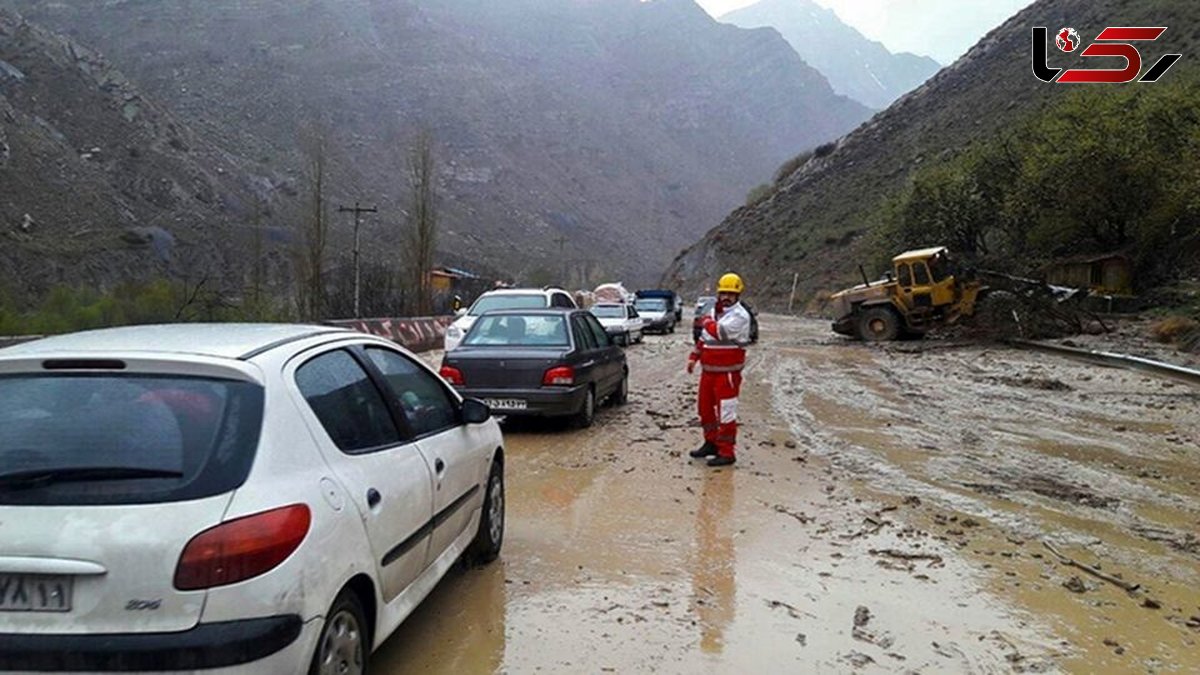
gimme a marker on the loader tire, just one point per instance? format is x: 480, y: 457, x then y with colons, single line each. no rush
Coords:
x: 878, y: 324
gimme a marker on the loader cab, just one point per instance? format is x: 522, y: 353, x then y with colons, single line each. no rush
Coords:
x: 925, y: 279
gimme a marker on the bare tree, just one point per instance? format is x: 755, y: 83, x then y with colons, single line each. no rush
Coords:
x: 422, y: 223
x: 314, y: 229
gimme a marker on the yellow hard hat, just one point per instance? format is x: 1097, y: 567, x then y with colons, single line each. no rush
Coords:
x: 730, y: 283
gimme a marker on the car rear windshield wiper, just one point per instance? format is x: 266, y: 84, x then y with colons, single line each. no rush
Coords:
x: 32, y: 478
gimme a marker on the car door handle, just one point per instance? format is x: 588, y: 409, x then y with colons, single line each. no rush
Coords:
x: 440, y: 467
x: 373, y: 498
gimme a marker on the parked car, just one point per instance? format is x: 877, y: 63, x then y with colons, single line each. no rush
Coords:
x: 505, y: 298
x: 544, y: 363
x: 621, y: 320
x: 704, y: 306
x: 230, y: 498
x: 656, y: 313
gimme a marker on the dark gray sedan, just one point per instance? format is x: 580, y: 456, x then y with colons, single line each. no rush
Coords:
x: 539, y: 363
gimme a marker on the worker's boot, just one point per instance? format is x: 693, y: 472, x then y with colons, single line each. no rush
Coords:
x: 721, y: 460
x: 706, y: 450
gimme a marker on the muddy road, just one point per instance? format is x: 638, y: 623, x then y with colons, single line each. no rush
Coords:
x: 889, y: 513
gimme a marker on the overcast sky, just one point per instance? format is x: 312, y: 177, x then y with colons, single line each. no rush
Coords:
x: 943, y: 29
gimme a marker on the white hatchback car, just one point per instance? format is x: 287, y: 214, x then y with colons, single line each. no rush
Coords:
x: 505, y: 298
x: 230, y: 498
x: 621, y: 320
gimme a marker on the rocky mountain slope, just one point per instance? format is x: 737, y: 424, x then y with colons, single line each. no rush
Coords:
x: 97, y: 182
x: 814, y: 222
x: 856, y: 67
x: 600, y: 137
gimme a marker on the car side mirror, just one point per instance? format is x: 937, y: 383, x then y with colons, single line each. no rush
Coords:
x: 461, y: 311
x: 475, y: 411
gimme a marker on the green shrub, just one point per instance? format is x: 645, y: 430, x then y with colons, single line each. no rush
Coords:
x: 759, y: 194
x: 64, y: 309
x: 789, y: 167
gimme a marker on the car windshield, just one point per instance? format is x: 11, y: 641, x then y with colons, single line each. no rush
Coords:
x: 510, y: 330
x: 651, y: 305
x: 705, y: 306
x: 123, y: 439
x: 609, y: 311
x: 508, y: 301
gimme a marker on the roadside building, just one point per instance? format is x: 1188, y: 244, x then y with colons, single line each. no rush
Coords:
x: 1104, y: 274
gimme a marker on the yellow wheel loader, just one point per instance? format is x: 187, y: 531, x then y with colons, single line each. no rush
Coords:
x: 925, y: 289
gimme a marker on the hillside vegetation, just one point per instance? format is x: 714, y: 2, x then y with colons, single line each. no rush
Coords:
x: 1099, y: 172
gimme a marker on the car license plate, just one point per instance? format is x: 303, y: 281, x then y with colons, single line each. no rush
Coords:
x: 505, y: 403
x: 35, y: 593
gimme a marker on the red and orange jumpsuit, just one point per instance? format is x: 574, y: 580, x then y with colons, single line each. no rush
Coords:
x: 721, y: 351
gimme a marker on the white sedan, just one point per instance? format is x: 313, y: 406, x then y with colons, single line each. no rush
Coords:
x: 621, y: 321
x: 504, y: 298
x: 230, y: 498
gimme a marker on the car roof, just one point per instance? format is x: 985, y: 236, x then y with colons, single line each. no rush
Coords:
x: 524, y: 291
x: 531, y: 310
x: 226, y: 340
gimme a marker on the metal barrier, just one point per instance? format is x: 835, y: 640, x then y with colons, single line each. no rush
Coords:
x: 415, y: 334
x: 1110, y: 359
x: 13, y: 340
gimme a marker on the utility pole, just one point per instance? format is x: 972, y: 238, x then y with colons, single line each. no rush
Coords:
x: 357, y: 211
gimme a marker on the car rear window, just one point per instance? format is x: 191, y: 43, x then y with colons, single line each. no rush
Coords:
x: 535, y: 330
x: 489, y: 302
x: 82, y: 439
x: 609, y: 311
x: 651, y: 305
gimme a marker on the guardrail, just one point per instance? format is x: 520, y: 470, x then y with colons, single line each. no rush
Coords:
x: 415, y: 334
x: 12, y: 340
x: 1111, y: 359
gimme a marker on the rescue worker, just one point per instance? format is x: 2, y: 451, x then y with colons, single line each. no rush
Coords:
x: 721, y: 352
x: 456, y: 303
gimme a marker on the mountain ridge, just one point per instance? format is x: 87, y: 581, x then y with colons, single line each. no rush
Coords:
x: 855, y: 66
x: 97, y: 182
x: 624, y: 128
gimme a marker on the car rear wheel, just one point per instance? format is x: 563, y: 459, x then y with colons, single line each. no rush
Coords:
x: 486, y: 546
x: 587, y: 414
x: 342, y: 648
x: 621, y: 395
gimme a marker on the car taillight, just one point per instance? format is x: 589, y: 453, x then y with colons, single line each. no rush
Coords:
x: 559, y: 375
x: 242, y: 548
x: 452, y: 375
